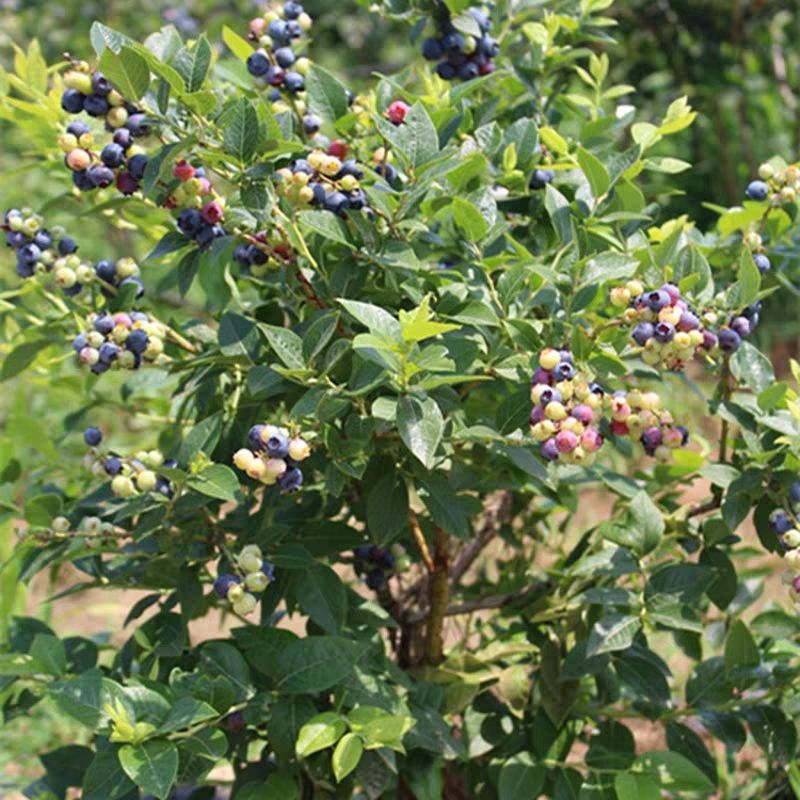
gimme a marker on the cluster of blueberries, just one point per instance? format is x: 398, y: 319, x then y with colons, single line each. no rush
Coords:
x: 778, y: 185
x: 462, y: 56
x: 261, y: 255
x: 565, y: 408
x: 258, y: 574
x: 639, y: 414
x: 130, y: 476
x: 122, y: 340
x: 201, y: 218
x: 202, y: 225
x: 273, y: 457
x: 275, y: 63
x: 669, y: 332
x: 40, y: 250
x: 786, y: 527
x: 325, y: 181
x: 373, y: 563
x: 121, y: 161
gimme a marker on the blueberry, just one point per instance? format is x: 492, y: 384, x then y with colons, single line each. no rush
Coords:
x: 163, y: 486
x: 67, y: 246
x: 357, y: 200
x: 43, y: 240
x: 549, y: 450
x: 275, y: 76
x: 99, y: 368
x: 446, y: 70
x: 123, y: 137
x: 137, y: 165
x: 24, y: 270
x: 134, y: 280
x: 294, y: 82
x: 275, y: 95
x: 742, y: 326
x: 108, y: 352
x: 468, y: 71
x: 564, y: 371
x: 482, y: 18
x: 651, y: 439
x: 258, y: 65
x: 278, y: 446
x: 335, y: 202
x: 362, y: 553
x: 100, y: 176
x: 104, y: 324
x: 112, y: 155
x: 302, y: 165
x: 137, y: 341
x: 375, y: 579
x: 388, y: 172
x: 752, y: 312
x: 794, y: 492
x: 311, y: 123
x: 223, y: 584
x: 291, y: 480
x: 293, y: 29
x: 762, y: 263
x: 92, y: 436
x: 106, y: 270
x: 780, y: 522
x: 757, y: 190
x: 292, y: 10
x: 277, y: 30
x: 73, y: 290
x: 254, y: 438
x: 432, y: 49
x: 78, y: 127
x: 112, y: 465
x: 82, y: 181
x: 206, y: 235
x: 285, y: 57
x: 319, y: 194
x: 684, y: 431
x: 657, y: 299
x: 643, y: 332
x: 488, y: 47
x: 190, y: 221
x: 72, y: 101
x: 28, y: 254
x: 664, y: 332
x: 729, y: 340
x: 242, y: 255
x: 16, y: 239
x: 100, y: 84
x: 137, y: 124
x: 453, y: 42
x: 95, y: 105
x: 540, y: 178
x: 350, y: 167
x: 79, y: 342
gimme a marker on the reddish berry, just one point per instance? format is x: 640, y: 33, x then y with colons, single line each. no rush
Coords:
x: 338, y: 149
x: 213, y: 213
x: 183, y: 170
x: 397, y: 112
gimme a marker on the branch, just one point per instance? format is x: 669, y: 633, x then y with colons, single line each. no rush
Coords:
x: 439, y: 599
x: 419, y: 538
x: 496, y: 512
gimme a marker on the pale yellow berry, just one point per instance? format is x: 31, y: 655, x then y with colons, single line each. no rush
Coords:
x: 243, y: 458
x: 122, y: 486
x: 245, y: 605
x: 146, y: 480
x: 299, y: 449
x: 250, y: 558
x: 256, y: 581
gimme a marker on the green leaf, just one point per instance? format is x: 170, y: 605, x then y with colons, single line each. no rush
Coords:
x: 416, y: 138
x: 630, y: 786
x: 752, y: 368
x: 192, y: 64
x: 327, y: 97
x: 127, y: 70
x: 240, y: 47
x: 612, y: 633
x: 418, y: 325
x: 85, y: 698
x: 647, y: 523
x: 445, y: 506
x: 186, y: 712
x: 520, y: 777
x: 421, y: 427
x: 741, y: 650
x: 595, y: 172
x: 322, y: 595
x: 326, y: 225
x: 319, y: 733
x: 21, y: 357
x: 380, y: 322
x: 312, y: 665
x: 286, y: 344
x: 49, y: 651
x: 241, y: 133
x: 557, y: 207
x: 469, y: 219
x: 202, y: 438
x: 104, y: 37
x: 387, y: 508
x: 152, y: 766
x: 346, y: 756
x: 748, y: 279
x: 105, y: 779
x: 672, y: 771
x: 238, y: 336
x: 216, y: 481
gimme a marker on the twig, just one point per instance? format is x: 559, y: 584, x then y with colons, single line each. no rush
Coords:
x: 439, y: 599
x: 496, y: 513
x: 419, y: 538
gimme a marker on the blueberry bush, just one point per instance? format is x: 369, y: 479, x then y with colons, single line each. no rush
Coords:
x: 408, y: 394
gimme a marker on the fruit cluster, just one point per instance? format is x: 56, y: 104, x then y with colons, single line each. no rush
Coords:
x: 121, y: 340
x: 275, y: 63
x: 565, y: 410
x: 121, y: 161
x: 670, y: 333
x: 640, y: 415
x: 375, y: 562
x: 779, y: 186
x: 258, y: 574
x: 273, y: 457
x: 261, y: 255
x: 131, y: 475
x: 461, y: 55
x: 786, y: 526
x: 324, y: 181
x: 88, y: 526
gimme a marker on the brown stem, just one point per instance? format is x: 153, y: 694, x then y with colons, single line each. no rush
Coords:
x: 439, y: 599
x: 496, y: 512
x: 419, y: 538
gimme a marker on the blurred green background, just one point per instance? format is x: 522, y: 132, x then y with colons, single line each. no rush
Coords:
x: 737, y: 60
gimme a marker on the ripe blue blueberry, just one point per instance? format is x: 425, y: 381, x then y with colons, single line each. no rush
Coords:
x: 190, y: 221
x: 254, y: 438
x: 72, y: 101
x: 375, y: 579
x: 137, y: 341
x: 16, y: 239
x: 82, y: 181
x: 92, y: 436
x: 258, y: 65
x: 762, y: 263
x: 564, y: 371
x: 43, y: 240
x: 134, y: 280
x: 104, y: 324
x: 642, y: 333
x: 291, y: 480
x: 78, y: 127
x: 100, y: 84
x: 112, y: 155
x: 79, y: 342
x: 446, y: 70
x: 96, y: 105
x: 729, y: 340
x: 278, y: 446
x: 540, y: 178
x: 123, y: 137
x: 268, y: 569
x: 794, y: 492
x: 137, y: 165
x: 108, y: 352
x: 362, y: 553
x: 742, y: 326
x: 549, y: 450
x: 112, y: 465
x: 224, y: 583
x: 106, y: 270
x: 388, y: 172
x: 658, y: 299
x: 757, y: 190
x: 335, y: 202
x: 432, y: 49
x: 100, y: 176
x: 66, y: 246
x: 482, y: 18
x: 311, y: 123
x: 293, y: 29
x: 28, y: 254
x: 284, y: 57
x: 137, y: 124
x: 664, y: 332
x: 294, y: 82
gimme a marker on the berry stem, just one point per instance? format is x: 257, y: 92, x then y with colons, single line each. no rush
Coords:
x: 419, y: 538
